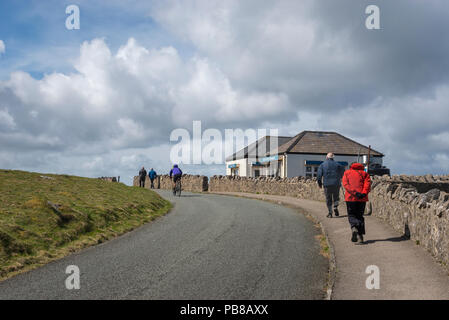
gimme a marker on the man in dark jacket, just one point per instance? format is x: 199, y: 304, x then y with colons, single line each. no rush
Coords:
x: 152, y: 174
x: 329, y: 176
x: 357, y: 184
x: 142, y: 177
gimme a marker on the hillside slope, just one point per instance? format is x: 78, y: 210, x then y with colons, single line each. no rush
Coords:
x: 45, y: 217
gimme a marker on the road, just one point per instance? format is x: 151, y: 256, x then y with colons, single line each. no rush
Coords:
x: 406, y: 271
x: 207, y: 247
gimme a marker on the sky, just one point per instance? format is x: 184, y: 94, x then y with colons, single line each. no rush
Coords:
x: 102, y: 100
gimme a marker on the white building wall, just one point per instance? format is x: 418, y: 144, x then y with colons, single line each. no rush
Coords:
x: 296, y: 162
x: 243, y: 167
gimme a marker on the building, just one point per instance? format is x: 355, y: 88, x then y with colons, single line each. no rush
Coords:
x: 295, y: 156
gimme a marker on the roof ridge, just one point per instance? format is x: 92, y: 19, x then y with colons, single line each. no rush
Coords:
x: 358, y: 143
x: 277, y: 136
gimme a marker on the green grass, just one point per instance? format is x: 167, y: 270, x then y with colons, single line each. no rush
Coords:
x: 43, y: 219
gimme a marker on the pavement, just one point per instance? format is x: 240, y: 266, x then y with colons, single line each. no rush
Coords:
x: 208, y: 247
x: 406, y: 270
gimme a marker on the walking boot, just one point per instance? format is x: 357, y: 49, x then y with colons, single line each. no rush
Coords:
x: 329, y: 215
x: 359, y: 239
x: 336, y: 212
x: 355, y: 232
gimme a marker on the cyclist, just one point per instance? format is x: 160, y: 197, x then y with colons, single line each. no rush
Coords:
x: 177, y: 174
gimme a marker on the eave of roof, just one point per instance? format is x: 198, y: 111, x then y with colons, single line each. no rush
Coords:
x: 290, y: 145
x: 243, y: 153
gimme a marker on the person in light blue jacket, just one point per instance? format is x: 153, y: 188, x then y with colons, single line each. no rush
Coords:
x: 330, y: 174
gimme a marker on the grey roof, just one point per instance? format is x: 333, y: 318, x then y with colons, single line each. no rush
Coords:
x: 259, y: 148
x: 322, y: 142
x: 308, y: 142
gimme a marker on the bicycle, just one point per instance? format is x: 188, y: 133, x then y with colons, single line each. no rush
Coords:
x: 177, y: 188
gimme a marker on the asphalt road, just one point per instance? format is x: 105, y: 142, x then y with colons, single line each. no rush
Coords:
x: 207, y: 247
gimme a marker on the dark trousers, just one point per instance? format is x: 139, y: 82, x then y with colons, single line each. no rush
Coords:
x: 142, y: 183
x: 152, y: 183
x: 355, y: 215
x: 332, y: 194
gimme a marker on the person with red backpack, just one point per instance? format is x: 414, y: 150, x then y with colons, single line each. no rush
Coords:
x: 357, y: 184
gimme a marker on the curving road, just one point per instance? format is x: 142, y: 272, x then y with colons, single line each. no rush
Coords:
x: 207, y: 247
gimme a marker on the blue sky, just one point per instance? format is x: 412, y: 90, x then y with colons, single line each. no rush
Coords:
x: 103, y: 100
x: 38, y: 42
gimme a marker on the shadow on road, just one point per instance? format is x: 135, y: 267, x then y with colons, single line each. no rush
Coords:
x: 395, y: 239
x: 190, y: 195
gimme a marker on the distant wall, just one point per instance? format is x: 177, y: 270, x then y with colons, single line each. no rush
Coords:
x: 295, y: 187
x: 416, y: 206
x: 194, y: 183
x: 110, y: 179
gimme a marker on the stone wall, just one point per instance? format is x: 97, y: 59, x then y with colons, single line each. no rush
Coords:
x: 424, y: 217
x: 416, y: 206
x: 300, y: 187
x: 194, y: 183
x: 110, y: 179
x: 421, y: 183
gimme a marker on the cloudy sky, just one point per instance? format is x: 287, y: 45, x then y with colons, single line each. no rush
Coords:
x: 102, y: 100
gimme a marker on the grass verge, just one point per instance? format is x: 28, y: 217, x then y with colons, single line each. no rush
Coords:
x: 46, y: 217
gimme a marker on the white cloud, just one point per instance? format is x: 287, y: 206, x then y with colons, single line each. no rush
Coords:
x: 135, y: 95
x: 129, y: 99
x: 2, y: 47
x: 292, y: 65
x: 6, y: 120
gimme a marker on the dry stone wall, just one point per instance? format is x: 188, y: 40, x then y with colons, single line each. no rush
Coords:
x: 422, y: 216
x: 300, y: 187
x: 193, y: 183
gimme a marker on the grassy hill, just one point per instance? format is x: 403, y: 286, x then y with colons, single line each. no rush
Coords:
x: 45, y: 217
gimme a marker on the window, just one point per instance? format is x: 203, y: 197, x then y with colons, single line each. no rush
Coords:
x: 256, y: 173
x: 312, y: 171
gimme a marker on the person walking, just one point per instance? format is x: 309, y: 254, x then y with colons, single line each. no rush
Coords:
x: 152, y: 174
x: 142, y: 177
x: 329, y: 176
x: 357, y: 184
